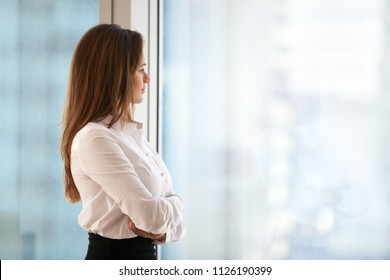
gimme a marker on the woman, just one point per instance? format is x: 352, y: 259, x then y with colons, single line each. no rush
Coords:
x: 125, y: 188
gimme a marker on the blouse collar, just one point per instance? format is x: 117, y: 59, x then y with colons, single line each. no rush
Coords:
x: 127, y: 127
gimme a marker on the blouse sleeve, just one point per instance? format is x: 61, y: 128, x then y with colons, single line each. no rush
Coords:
x: 104, y: 161
x: 175, y: 233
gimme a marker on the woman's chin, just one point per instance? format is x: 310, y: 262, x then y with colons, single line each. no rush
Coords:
x: 139, y: 100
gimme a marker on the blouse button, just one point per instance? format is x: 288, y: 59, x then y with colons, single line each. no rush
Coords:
x: 162, y: 174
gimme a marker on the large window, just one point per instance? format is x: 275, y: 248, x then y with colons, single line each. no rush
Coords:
x: 37, y: 41
x: 275, y: 127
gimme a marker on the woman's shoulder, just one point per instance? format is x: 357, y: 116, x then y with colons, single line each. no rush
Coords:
x: 92, y: 130
x: 95, y: 127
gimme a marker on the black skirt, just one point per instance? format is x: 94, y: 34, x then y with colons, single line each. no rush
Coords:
x: 137, y: 248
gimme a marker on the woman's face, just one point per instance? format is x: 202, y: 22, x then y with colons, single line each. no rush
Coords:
x: 140, y: 78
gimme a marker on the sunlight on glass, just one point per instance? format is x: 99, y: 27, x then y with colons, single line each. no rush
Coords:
x: 38, y: 38
x: 275, y: 127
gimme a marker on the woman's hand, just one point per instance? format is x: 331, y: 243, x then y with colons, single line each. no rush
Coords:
x: 140, y: 232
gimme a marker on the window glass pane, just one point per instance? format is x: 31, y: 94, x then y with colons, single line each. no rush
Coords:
x: 37, y: 41
x: 275, y: 127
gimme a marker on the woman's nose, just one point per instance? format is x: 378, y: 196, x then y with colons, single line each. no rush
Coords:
x: 146, y: 78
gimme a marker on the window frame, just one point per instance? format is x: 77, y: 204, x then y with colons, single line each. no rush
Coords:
x: 144, y: 17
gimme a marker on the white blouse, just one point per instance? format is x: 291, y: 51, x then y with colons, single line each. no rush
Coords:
x: 120, y: 178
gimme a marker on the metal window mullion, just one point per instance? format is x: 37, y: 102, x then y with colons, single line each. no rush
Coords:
x: 105, y: 11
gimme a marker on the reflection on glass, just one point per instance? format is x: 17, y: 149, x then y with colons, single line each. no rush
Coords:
x: 275, y: 127
x: 37, y: 41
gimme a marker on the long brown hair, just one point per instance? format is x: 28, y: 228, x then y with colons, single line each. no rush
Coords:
x: 99, y: 85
